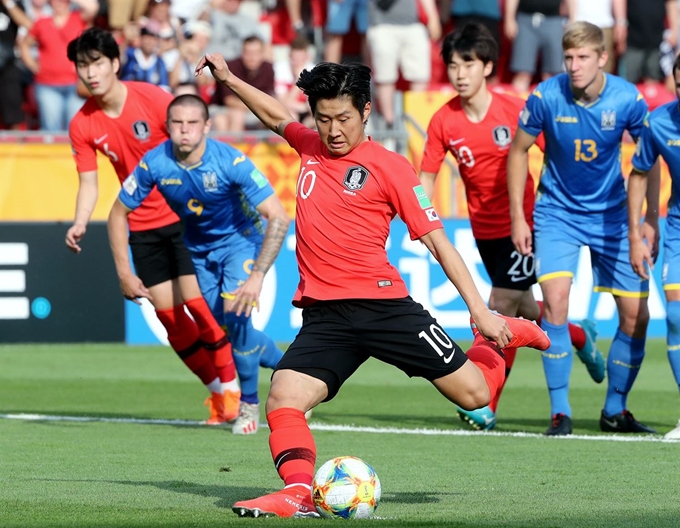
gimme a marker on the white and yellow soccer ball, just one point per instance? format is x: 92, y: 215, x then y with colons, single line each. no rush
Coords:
x: 346, y: 487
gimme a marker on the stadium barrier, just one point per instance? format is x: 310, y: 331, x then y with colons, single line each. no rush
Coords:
x: 48, y: 294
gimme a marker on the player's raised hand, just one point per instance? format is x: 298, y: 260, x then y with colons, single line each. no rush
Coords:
x: 521, y: 236
x: 216, y: 64
x: 74, y: 235
x: 133, y: 289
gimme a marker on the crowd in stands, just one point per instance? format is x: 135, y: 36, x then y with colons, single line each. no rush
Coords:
x: 268, y: 42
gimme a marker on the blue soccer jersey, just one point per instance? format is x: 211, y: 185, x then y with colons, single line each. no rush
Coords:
x: 661, y: 137
x: 216, y: 198
x: 582, y: 165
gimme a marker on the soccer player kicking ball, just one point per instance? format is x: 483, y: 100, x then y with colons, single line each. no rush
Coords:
x: 355, y: 304
x: 123, y: 120
x: 477, y: 127
x: 221, y: 198
x: 583, y: 115
x: 659, y: 138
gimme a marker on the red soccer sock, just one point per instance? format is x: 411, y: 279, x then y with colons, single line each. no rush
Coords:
x: 485, y: 355
x: 184, y: 339
x: 216, y: 342
x: 576, y: 333
x: 510, y: 354
x: 292, y: 446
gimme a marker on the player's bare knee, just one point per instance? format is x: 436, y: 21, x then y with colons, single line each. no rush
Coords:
x: 475, y: 398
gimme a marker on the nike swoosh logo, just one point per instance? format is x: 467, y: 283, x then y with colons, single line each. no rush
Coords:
x: 99, y: 140
x: 447, y: 360
x: 312, y: 162
x: 611, y: 423
x: 487, y: 421
x: 453, y: 143
x: 514, y: 278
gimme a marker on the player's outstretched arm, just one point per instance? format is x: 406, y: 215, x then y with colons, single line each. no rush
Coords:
x: 247, y: 295
x: 86, y: 200
x: 131, y: 285
x: 491, y: 327
x: 272, y: 113
x: 518, y: 166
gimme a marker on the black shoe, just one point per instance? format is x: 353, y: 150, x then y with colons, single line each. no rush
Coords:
x: 560, y: 426
x: 623, y: 423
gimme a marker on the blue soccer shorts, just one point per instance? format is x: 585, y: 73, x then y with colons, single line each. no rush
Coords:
x: 671, y: 255
x: 224, y: 269
x: 560, y: 235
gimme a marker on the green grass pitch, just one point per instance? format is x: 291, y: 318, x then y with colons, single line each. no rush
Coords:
x: 122, y: 466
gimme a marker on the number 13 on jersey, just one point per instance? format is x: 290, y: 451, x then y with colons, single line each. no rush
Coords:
x: 585, y: 150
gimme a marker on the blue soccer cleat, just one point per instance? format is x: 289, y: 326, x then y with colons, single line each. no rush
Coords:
x: 589, y: 354
x: 483, y: 419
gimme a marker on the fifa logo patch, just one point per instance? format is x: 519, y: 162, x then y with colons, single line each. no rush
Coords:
x: 608, y: 121
x: 142, y: 130
x: 355, y: 178
x: 210, y: 181
x: 502, y: 136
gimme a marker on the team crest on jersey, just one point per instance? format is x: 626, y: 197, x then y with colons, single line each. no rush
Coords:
x: 608, y: 119
x: 355, y: 178
x: 142, y: 130
x: 502, y: 136
x: 210, y: 181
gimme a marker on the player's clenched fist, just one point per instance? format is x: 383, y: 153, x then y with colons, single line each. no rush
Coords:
x: 217, y: 65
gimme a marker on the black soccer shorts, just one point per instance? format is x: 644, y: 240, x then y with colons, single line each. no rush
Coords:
x: 338, y: 336
x: 160, y: 254
x: 507, y: 268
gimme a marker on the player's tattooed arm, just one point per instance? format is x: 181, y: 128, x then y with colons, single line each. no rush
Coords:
x: 277, y: 228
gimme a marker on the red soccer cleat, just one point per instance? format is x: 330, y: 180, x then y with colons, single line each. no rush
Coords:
x: 525, y: 333
x: 293, y: 501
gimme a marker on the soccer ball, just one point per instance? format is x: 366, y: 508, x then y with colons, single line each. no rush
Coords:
x: 346, y: 487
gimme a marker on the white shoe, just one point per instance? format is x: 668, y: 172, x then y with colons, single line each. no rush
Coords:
x: 248, y: 419
x: 673, y: 434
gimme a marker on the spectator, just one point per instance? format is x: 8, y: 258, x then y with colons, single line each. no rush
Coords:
x: 341, y: 13
x: 55, y: 78
x: 534, y: 26
x: 12, y: 16
x: 610, y: 17
x: 228, y: 112
x: 230, y: 28
x: 641, y: 61
x: 143, y: 63
x: 397, y: 39
x: 37, y: 9
x: 180, y: 62
x: 462, y: 12
x: 286, y: 74
x: 186, y: 10
x: 167, y: 25
x: 185, y: 88
x: 121, y: 12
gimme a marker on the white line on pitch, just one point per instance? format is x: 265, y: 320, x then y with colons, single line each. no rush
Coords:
x: 349, y: 428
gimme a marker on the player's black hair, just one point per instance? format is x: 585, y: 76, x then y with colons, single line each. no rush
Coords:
x: 676, y: 65
x: 92, y: 44
x: 189, y: 100
x: 328, y: 80
x: 472, y: 41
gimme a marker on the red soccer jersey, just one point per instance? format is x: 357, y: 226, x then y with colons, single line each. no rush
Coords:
x: 344, y: 206
x: 124, y: 140
x: 481, y: 150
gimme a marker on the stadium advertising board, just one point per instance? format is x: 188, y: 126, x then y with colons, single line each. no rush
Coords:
x: 50, y: 295
x: 427, y: 284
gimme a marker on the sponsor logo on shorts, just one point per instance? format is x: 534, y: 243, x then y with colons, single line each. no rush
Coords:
x: 384, y: 283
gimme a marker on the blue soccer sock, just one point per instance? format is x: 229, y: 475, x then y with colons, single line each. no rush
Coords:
x: 623, y: 364
x: 249, y: 345
x: 673, y: 338
x: 557, y: 364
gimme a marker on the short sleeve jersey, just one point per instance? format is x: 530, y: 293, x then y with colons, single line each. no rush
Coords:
x: 582, y: 167
x: 344, y: 206
x: 661, y: 137
x: 124, y: 140
x: 481, y: 150
x: 216, y: 198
